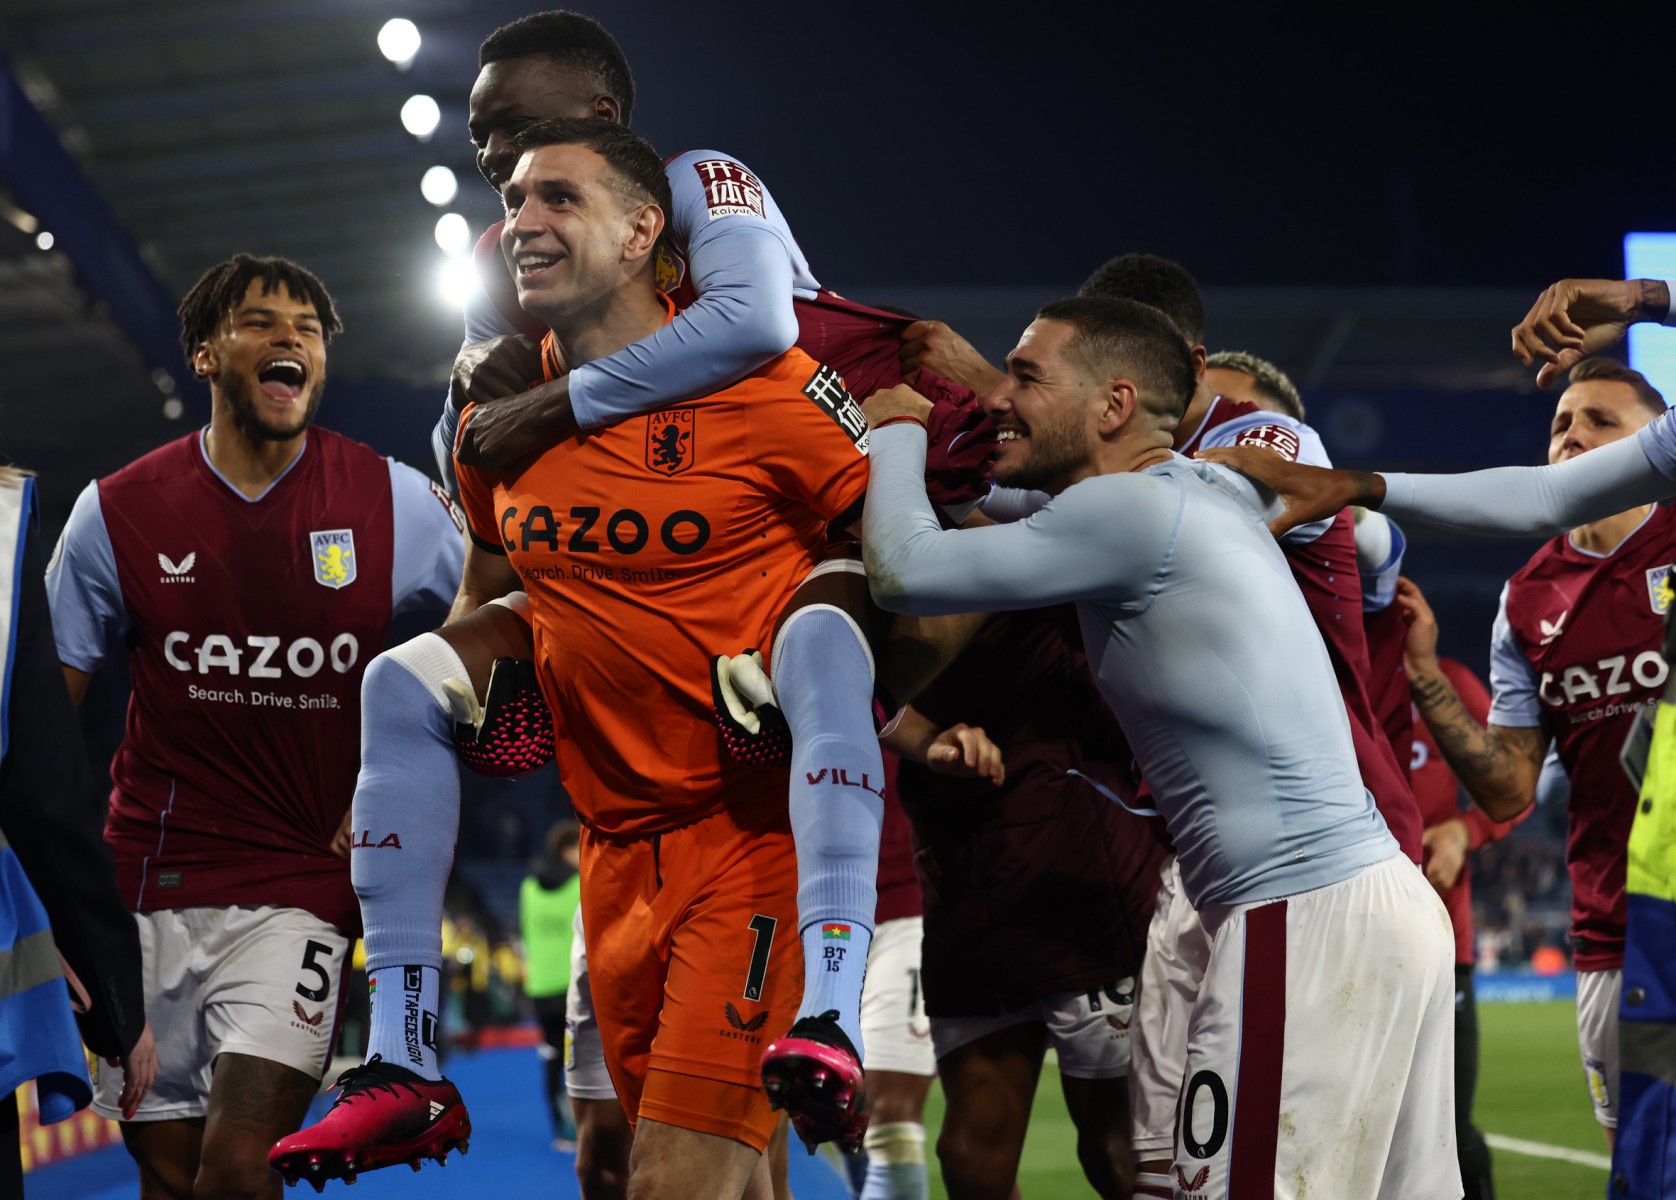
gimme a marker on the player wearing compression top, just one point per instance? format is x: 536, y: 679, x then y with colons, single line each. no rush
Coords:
x: 1321, y: 556
x: 1300, y: 884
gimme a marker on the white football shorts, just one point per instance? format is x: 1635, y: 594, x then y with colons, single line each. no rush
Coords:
x: 1177, y: 952
x: 258, y: 981
x: 895, y: 1033
x: 1088, y: 1030
x: 1320, y: 1057
x: 1597, y: 1038
x: 585, y: 1076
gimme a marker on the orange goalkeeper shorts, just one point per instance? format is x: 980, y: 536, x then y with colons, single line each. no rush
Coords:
x: 695, y: 962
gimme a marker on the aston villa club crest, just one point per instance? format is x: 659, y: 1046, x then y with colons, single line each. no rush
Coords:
x: 1660, y: 590
x: 670, y: 269
x: 671, y: 438
x: 334, y: 556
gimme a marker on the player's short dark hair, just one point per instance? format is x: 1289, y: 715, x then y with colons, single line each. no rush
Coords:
x: 1268, y: 379
x: 1128, y: 339
x: 1615, y: 372
x: 225, y: 284
x: 1164, y: 284
x: 570, y: 39
x: 638, y: 171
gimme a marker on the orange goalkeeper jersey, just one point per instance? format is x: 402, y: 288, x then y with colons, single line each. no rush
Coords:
x: 653, y: 544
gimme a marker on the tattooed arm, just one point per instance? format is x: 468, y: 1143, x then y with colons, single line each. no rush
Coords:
x: 1498, y: 764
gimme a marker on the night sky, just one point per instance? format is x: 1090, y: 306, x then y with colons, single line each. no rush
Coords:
x: 953, y: 148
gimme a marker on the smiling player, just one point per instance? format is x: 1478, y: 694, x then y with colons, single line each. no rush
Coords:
x: 1322, y: 933
x: 252, y: 568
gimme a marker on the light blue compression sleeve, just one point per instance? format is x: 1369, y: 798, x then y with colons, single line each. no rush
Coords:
x: 1071, y: 549
x: 744, y: 264
x: 745, y: 267
x: 84, y: 591
x: 1543, y: 502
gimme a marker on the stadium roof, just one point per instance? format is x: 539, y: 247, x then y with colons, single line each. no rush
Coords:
x: 959, y: 170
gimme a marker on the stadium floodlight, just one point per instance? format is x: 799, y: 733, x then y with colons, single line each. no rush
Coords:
x: 421, y: 116
x: 398, y: 40
x: 456, y: 280
x: 439, y: 185
x: 44, y: 240
x: 1652, y: 350
x: 453, y: 234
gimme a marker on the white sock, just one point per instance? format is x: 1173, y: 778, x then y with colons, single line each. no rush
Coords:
x: 405, y: 1004
x: 896, y: 1162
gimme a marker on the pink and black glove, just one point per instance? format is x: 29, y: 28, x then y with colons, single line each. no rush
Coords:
x: 511, y: 732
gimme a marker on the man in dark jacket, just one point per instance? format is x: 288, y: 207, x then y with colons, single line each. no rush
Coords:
x: 51, y: 815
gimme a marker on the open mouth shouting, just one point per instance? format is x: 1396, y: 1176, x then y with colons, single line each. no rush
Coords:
x: 282, y: 378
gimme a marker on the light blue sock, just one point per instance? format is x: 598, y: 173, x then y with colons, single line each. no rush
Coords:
x: 823, y: 675
x: 406, y: 819
x: 896, y: 1163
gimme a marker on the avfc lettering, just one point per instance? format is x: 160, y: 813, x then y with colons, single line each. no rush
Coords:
x: 626, y: 531
x: 671, y: 441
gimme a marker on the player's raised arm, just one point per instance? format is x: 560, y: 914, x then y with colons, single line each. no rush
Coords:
x: 1497, y: 762
x: 1511, y: 501
x: 1575, y: 318
x: 933, y: 346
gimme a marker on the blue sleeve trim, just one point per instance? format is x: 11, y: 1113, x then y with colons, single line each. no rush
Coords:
x: 1514, y: 699
x: 429, y: 550
x: 84, y: 590
x: 1379, y: 586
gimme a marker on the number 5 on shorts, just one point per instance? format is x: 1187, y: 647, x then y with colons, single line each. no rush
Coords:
x: 764, y: 928
x: 310, y: 967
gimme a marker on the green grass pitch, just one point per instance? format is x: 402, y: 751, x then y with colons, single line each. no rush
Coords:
x: 1530, y: 1086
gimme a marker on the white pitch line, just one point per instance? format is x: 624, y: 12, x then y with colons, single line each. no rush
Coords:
x: 1544, y: 1150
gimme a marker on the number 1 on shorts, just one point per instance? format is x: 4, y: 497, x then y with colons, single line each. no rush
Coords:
x: 763, y: 927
